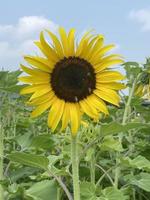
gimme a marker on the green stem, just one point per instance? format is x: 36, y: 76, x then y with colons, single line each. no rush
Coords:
x: 58, y: 193
x: 92, y: 168
x: 75, y: 167
x: 63, y: 186
x: 127, y: 106
x: 124, y: 120
x: 1, y: 162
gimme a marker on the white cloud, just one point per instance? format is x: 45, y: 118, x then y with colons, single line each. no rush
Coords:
x: 141, y: 16
x: 17, y: 40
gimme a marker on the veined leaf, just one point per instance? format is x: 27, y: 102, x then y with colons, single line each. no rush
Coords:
x: 115, y: 127
x: 44, y: 190
x: 111, y: 193
x: 29, y: 160
x: 139, y: 162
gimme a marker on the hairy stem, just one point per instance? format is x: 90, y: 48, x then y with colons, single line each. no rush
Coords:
x: 127, y: 106
x: 92, y: 168
x: 75, y: 167
x: 124, y: 120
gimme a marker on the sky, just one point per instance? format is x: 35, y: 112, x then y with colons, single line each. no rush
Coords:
x: 125, y: 23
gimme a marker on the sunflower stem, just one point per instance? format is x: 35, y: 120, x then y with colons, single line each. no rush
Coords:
x: 124, y: 120
x: 92, y: 168
x: 75, y: 167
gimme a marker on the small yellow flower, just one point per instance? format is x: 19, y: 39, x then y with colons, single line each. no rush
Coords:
x: 71, y: 79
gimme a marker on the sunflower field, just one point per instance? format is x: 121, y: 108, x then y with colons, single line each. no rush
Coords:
x: 73, y: 131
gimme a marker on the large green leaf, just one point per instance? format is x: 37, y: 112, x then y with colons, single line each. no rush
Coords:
x: 115, y: 127
x: 42, y: 141
x: 143, y: 182
x: 111, y: 193
x: 88, y: 191
x: 29, y: 159
x: 44, y: 190
x: 139, y: 162
x: 22, y: 172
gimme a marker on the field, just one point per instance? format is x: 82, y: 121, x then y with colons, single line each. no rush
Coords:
x: 113, y: 152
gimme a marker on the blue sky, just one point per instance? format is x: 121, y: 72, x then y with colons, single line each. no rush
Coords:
x: 126, y: 23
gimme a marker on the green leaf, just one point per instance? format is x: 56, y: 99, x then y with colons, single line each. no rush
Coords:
x: 54, y: 159
x: 139, y: 162
x: 115, y: 127
x: 88, y: 191
x: 111, y: 193
x: 143, y: 182
x: 42, y: 141
x: 29, y: 159
x: 132, y: 69
x: 44, y: 190
x: 22, y: 172
x: 24, y: 140
x: 110, y: 143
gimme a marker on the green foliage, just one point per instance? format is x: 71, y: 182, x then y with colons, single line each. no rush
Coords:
x: 36, y: 162
x: 29, y: 159
x: 111, y: 193
x: 43, y: 190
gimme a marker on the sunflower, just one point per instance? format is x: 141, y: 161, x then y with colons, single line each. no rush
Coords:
x: 143, y: 87
x: 71, y: 78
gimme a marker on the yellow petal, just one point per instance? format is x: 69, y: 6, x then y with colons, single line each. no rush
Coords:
x: 103, y: 60
x: 42, y: 99
x: 66, y: 116
x: 82, y: 42
x: 49, y: 52
x: 34, y: 72
x: 34, y: 80
x: 101, y: 66
x: 57, y: 44
x: 55, y: 113
x: 84, y: 49
x: 39, y: 63
x: 108, y: 95
x: 113, y: 85
x: 31, y: 88
x: 64, y: 40
x: 90, y: 104
x: 98, y: 45
x: 89, y: 50
x: 93, y: 45
x: 41, y: 108
x: 71, y: 41
x: 109, y: 76
x: 74, y: 118
x: 87, y: 109
x: 41, y: 91
x: 101, y: 52
x: 98, y: 103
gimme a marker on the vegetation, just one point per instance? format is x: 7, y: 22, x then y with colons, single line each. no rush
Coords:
x: 35, y: 164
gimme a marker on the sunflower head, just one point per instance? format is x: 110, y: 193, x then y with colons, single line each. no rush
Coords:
x: 143, y: 87
x: 71, y: 78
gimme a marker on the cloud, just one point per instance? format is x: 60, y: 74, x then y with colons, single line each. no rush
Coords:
x: 17, y: 40
x: 141, y: 16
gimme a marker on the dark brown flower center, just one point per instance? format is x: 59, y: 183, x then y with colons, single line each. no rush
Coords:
x: 73, y: 79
